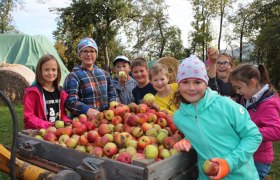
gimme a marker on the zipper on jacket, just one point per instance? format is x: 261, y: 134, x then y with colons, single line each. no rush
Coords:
x: 201, y: 135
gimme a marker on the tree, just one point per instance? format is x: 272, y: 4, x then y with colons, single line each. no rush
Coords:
x: 98, y: 19
x: 6, y: 20
x: 150, y: 33
x: 267, y: 43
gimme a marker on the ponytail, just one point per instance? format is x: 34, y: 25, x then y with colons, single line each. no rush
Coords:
x: 265, y: 78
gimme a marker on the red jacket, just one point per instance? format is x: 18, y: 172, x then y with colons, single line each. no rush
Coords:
x: 34, y: 109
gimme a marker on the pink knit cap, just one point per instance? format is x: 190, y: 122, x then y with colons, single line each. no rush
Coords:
x: 192, y: 67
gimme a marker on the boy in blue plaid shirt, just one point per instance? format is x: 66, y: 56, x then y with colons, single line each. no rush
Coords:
x: 89, y: 88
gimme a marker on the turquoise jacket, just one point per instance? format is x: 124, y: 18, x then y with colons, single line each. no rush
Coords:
x: 219, y: 127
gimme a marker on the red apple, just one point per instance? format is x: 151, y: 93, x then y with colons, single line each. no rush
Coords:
x: 83, y: 118
x: 142, y: 118
x: 97, y: 151
x: 168, y: 143
x: 124, y: 157
x: 162, y: 122
x: 152, y: 118
x: 210, y: 168
x: 100, y: 116
x: 117, y: 120
x: 82, y: 140
x: 143, y: 108
x: 145, y: 126
x: 110, y: 149
x: 50, y: 137
x: 92, y: 135
x: 143, y: 142
x: 132, y: 120
x: 137, y: 156
x: 104, y: 129
x: 161, y: 114
x: 133, y: 107
x: 89, y: 125
x: 119, y: 111
x: 119, y: 128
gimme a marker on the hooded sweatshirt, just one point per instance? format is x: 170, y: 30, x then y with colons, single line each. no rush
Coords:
x: 219, y: 127
x: 35, y: 110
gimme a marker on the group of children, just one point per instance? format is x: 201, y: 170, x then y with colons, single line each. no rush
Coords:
x: 236, y: 136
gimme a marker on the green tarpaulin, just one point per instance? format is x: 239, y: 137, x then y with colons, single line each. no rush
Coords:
x: 26, y: 50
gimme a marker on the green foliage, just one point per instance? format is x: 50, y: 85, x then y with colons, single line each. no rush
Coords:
x: 267, y: 43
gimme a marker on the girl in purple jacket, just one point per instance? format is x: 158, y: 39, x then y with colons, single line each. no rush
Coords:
x: 263, y: 104
x: 44, y: 101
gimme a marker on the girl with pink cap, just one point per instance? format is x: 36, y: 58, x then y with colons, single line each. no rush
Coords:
x: 219, y: 129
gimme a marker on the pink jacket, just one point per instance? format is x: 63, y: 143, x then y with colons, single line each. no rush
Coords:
x: 34, y: 109
x: 266, y: 116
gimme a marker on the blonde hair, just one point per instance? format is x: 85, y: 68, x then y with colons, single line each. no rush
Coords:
x: 158, y: 68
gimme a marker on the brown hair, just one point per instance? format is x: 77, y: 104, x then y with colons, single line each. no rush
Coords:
x: 158, y: 68
x: 230, y: 58
x: 246, y: 72
x: 138, y: 62
x: 45, y: 58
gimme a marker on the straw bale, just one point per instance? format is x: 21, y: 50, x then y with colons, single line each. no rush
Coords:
x: 14, y: 78
x: 172, y: 64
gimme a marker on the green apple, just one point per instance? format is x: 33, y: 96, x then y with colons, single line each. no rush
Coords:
x: 151, y: 152
x: 59, y: 124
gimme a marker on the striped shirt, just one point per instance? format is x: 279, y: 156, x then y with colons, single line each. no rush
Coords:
x: 88, y: 89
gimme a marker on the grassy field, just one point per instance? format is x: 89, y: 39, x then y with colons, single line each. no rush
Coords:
x: 6, y: 139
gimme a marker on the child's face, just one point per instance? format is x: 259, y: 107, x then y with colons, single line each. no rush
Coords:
x: 247, y: 91
x: 88, y: 56
x: 49, y: 71
x: 192, y: 89
x: 140, y: 74
x: 159, y: 82
x: 223, y: 67
x: 122, y: 66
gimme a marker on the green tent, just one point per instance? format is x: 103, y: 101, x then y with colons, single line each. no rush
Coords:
x: 27, y: 50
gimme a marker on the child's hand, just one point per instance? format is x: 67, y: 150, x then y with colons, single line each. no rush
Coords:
x: 223, y: 168
x: 91, y: 114
x: 212, y: 53
x: 183, y: 145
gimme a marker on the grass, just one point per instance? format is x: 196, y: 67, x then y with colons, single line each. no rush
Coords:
x: 6, y: 126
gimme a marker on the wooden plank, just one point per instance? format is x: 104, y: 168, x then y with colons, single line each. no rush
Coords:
x: 168, y: 168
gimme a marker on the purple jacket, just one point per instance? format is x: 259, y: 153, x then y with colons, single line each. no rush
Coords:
x: 34, y: 109
x: 265, y: 114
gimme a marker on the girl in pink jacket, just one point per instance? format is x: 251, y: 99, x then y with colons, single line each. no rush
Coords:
x: 44, y: 101
x: 263, y: 104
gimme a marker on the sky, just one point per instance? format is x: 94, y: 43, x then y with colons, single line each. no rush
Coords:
x: 36, y: 19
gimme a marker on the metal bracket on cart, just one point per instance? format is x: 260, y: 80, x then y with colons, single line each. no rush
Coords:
x: 91, y: 168
x: 29, y: 148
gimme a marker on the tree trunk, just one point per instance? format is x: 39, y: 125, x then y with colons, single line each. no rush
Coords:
x: 241, y: 40
x: 221, y: 24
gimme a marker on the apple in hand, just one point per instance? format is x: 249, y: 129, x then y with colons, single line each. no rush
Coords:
x: 210, y: 168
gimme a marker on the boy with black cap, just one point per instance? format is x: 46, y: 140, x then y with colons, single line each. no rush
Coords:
x: 123, y: 83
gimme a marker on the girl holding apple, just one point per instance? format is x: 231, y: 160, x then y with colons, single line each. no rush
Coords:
x: 219, y: 129
x: 44, y: 101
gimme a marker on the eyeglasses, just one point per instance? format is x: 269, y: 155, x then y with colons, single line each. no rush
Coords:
x: 226, y: 63
x: 88, y: 51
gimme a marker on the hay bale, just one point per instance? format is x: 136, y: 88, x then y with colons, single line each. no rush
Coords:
x: 14, y: 78
x: 172, y: 64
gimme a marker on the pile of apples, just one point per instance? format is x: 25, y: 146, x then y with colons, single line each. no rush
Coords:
x: 123, y: 133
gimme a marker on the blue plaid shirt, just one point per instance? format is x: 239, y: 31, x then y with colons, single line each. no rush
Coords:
x: 88, y: 89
